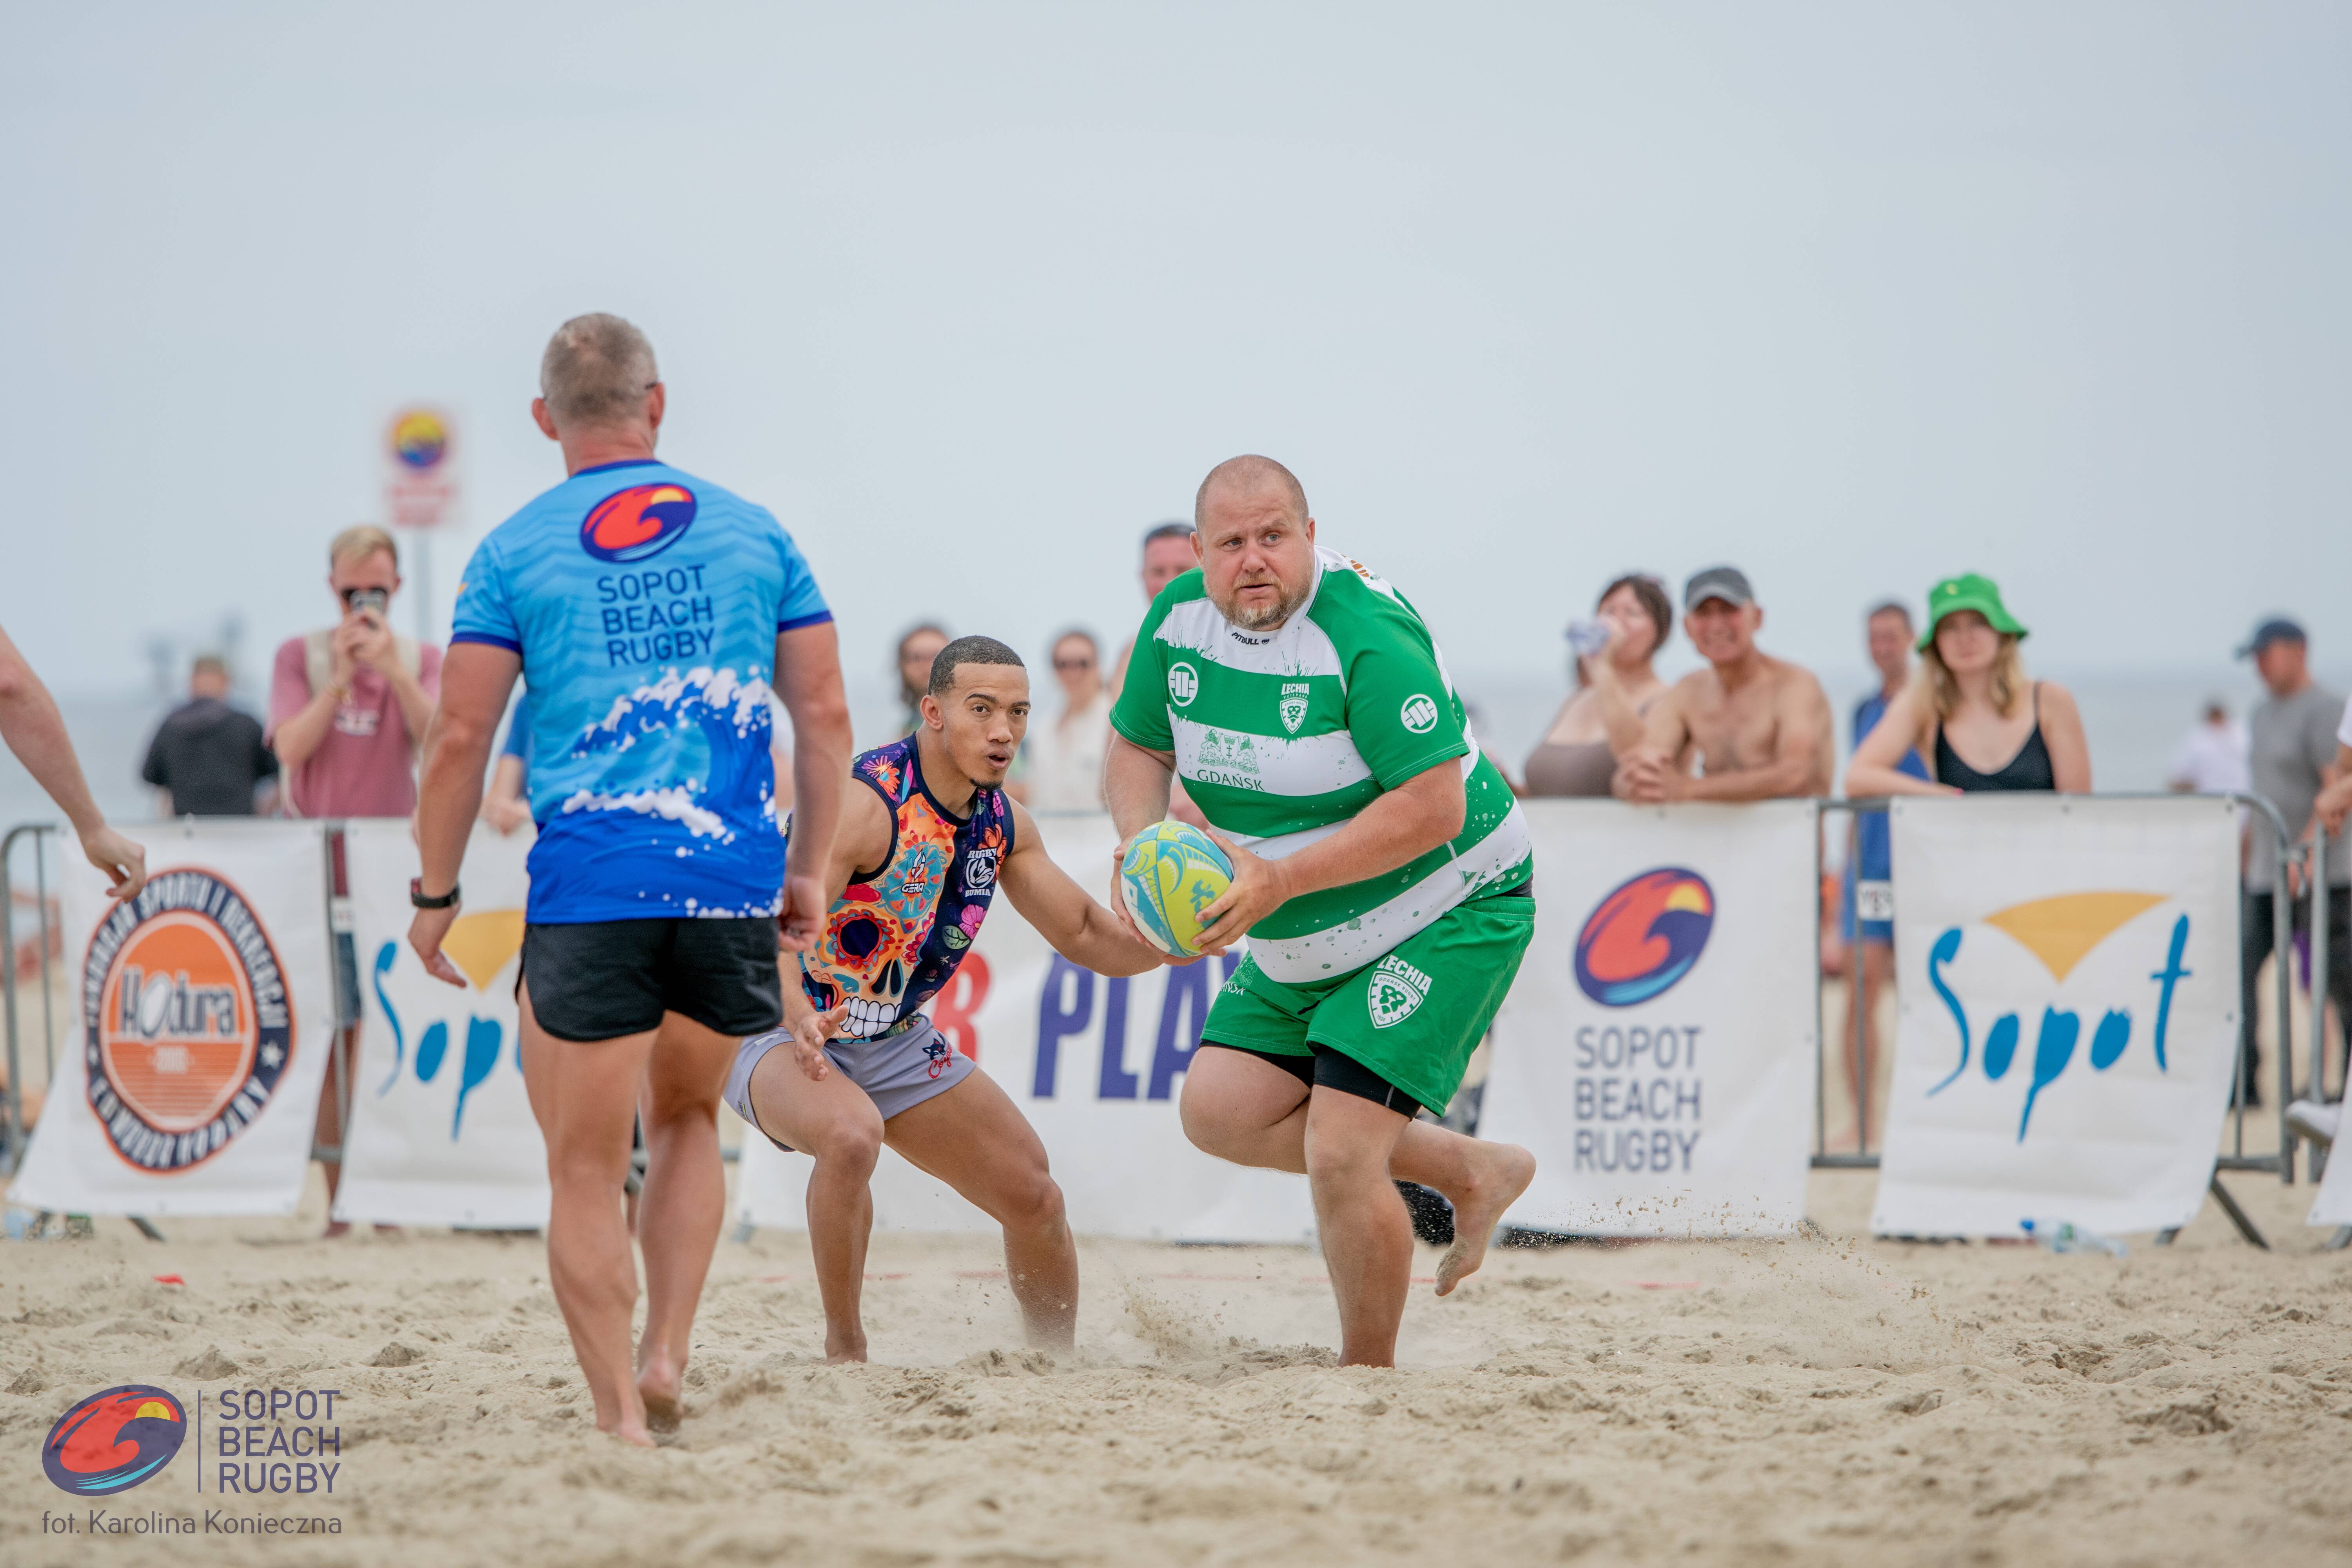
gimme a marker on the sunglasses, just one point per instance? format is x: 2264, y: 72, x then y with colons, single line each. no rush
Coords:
x: 1074, y: 664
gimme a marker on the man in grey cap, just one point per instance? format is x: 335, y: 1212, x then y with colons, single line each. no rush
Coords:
x: 1758, y: 726
x: 2292, y: 732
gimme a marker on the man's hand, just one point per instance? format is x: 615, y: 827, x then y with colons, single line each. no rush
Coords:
x: 809, y: 1035
x: 373, y: 644
x: 800, y: 921
x: 2334, y: 805
x: 426, y: 933
x: 505, y: 815
x: 124, y: 863
x: 1118, y: 903
x: 1649, y: 774
x: 342, y: 654
x: 1259, y: 888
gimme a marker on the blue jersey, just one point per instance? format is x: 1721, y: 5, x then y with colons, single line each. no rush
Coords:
x: 1874, y: 847
x: 645, y: 604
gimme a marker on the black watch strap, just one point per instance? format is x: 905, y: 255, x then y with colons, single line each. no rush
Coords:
x: 417, y: 895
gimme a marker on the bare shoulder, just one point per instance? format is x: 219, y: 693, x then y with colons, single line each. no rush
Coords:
x: 865, y: 827
x: 1026, y: 840
x: 1795, y: 681
x: 2056, y: 698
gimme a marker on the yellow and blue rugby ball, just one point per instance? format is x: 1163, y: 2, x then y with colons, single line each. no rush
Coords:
x: 1171, y: 872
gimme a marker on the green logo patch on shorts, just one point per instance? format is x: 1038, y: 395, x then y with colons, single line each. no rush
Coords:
x: 1395, y: 989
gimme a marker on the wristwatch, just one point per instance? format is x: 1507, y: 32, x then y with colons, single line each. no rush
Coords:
x: 417, y: 895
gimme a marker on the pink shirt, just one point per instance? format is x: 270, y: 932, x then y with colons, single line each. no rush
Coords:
x: 366, y: 766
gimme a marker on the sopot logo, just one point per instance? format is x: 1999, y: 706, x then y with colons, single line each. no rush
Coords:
x: 1394, y: 991
x: 2062, y: 932
x: 1183, y: 684
x: 189, y: 1025
x: 112, y: 1441
x: 1419, y: 714
x: 481, y: 943
x: 637, y: 524
x: 1644, y: 936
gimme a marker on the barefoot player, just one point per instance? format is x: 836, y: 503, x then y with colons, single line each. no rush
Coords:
x: 927, y: 835
x: 651, y: 611
x: 1381, y: 871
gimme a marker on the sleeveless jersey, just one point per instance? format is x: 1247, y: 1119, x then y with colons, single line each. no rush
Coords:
x: 896, y: 936
x: 1281, y: 737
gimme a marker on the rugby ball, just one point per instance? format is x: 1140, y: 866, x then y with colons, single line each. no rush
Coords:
x: 1171, y: 872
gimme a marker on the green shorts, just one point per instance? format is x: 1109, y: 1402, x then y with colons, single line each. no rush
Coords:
x: 1413, y: 1017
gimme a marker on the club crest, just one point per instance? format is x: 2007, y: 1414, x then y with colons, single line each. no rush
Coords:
x: 1293, y: 706
x: 1395, y: 990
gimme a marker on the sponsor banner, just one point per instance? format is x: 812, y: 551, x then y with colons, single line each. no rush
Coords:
x: 1096, y: 1065
x: 204, y: 1009
x: 441, y: 1129
x: 2068, y: 976
x: 1658, y: 1051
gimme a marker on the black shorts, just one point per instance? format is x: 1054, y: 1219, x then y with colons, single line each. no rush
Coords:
x: 609, y: 978
x: 1326, y: 1068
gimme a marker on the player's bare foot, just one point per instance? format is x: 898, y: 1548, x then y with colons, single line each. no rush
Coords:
x: 842, y: 1349
x: 633, y: 1432
x: 1504, y: 1171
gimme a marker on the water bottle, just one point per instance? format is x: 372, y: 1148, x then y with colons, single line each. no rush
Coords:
x: 2065, y: 1236
x: 1587, y: 636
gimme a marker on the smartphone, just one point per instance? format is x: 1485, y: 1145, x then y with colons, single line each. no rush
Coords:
x: 368, y: 599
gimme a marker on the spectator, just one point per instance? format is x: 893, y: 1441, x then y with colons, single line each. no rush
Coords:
x: 1971, y: 699
x: 1870, y: 944
x: 1758, y: 726
x: 1615, y: 689
x: 2212, y: 756
x: 506, y: 804
x: 207, y: 758
x: 2294, y: 750
x: 347, y: 707
x: 348, y: 704
x: 2316, y: 1120
x: 1167, y: 555
x: 918, y: 645
x: 1064, y: 760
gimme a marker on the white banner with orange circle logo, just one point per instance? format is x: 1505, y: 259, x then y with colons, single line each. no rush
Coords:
x: 1656, y: 1053
x: 2068, y: 976
x: 204, y: 1007
x: 1096, y: 1064
x: 442, y: 1131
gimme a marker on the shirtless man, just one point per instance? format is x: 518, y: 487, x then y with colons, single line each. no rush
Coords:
x: 1758, y: 726
x: 927, y: 835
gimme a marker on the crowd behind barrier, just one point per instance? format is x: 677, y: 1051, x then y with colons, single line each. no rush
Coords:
x: 1673, y: 1123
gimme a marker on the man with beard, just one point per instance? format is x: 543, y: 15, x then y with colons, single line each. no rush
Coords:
x: 1382, y: 871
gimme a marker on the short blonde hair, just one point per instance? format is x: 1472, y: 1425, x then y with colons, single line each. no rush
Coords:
x: 359, y: 543
x: 596, y: 371
x: 1942, y: 692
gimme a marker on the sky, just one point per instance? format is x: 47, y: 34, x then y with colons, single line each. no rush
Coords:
x: 1854, y: 296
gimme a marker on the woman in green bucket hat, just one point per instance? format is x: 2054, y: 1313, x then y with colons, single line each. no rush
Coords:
x: 1971, y: 711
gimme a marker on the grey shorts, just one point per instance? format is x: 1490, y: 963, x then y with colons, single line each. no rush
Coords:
x: 897, y: 1071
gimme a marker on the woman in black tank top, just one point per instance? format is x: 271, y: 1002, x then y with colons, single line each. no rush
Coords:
x: 1967, y: 706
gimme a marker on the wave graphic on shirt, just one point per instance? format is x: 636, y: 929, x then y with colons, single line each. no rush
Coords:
x: 730, y: 714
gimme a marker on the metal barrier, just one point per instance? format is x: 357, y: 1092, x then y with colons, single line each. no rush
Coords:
x: 12, y: 1136
x: 1862, y: 1158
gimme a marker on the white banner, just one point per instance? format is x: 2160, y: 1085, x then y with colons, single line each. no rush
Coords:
x: 1096, y: 1065
x: 2068, y: 976
x: 1657, y: 1053
x: 205, y: 1008
x: 441, y: 1129
x: 2333, y: 1204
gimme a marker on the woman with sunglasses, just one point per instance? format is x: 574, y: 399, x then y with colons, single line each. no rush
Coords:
x: 1971, y: 711
x: 1061, y: 764
x: 1614, y: 689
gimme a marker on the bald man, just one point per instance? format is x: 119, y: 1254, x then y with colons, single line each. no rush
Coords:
x: 1382, y: 871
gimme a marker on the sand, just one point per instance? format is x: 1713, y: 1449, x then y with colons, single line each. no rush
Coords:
x: 1827, y: 1399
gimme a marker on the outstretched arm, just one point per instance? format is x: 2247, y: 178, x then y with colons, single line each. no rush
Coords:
x: 1079, y: 928
x: 36, y: 732
x: 808, y: 682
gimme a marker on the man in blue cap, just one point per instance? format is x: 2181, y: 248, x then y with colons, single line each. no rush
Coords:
x: 2293, y: 748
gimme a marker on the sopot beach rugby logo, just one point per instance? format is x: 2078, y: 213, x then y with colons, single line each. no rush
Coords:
x: 1643, y: 936
x: 113, y: 1440
x: 187, y: 1023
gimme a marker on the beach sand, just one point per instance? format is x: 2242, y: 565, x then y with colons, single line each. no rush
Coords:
x: 1825, y: 1399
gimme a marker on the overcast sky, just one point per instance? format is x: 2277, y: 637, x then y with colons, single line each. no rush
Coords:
x: 1854, y: 296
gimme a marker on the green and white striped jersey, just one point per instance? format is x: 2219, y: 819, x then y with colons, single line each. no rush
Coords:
x: 1282, y: 737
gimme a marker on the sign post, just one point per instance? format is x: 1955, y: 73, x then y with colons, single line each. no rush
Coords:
x: 420, y: 491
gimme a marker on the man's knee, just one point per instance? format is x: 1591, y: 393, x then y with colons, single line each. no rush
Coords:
x: 1343, y: 1160
x: 848, y: 1144
x: 1031, y: 1201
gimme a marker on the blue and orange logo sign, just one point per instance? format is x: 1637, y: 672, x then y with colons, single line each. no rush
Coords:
x: 1644, y: 936
x: 419, y: 439
x: 637, y: 522
x: 112, y: 1441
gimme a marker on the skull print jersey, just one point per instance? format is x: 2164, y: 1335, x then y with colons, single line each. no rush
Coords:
x: 896, y: 935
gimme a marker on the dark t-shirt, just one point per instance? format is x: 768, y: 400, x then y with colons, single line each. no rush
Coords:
x: 210, y: 756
